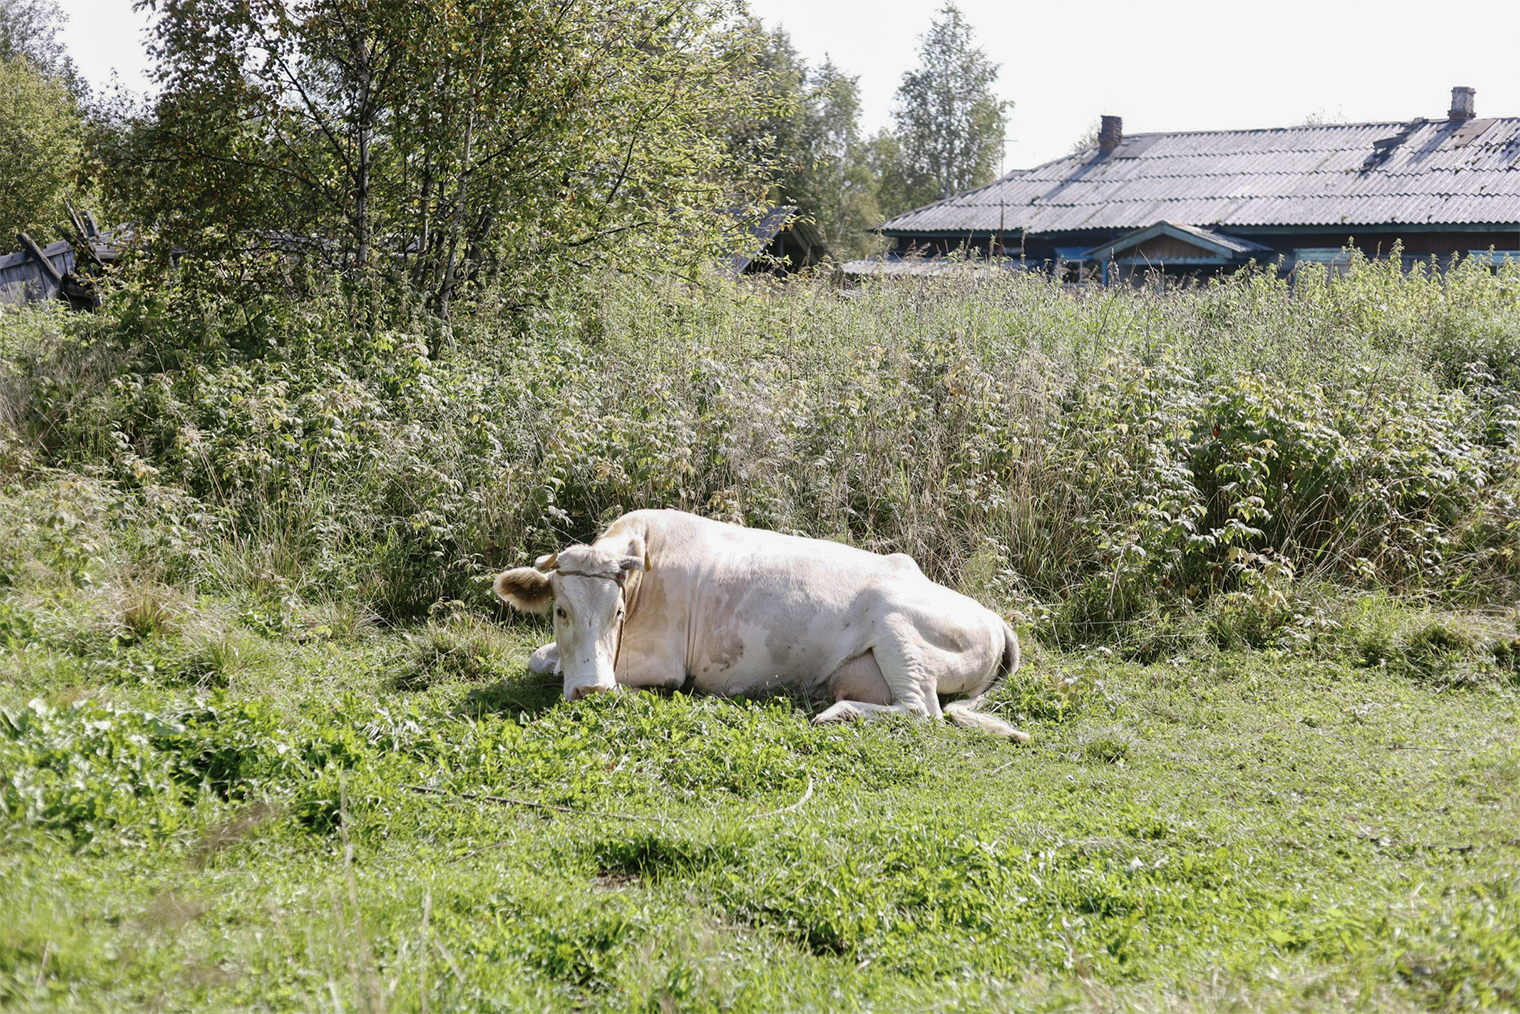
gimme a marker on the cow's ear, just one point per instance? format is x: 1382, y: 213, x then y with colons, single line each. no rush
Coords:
x: 634, y: 557
x: 526, y: 589
x: 627, y: 565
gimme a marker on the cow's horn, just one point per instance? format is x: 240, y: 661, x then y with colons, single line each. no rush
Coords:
x: 547, y: 563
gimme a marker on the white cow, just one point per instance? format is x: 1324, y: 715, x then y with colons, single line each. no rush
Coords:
x: 665, y: 596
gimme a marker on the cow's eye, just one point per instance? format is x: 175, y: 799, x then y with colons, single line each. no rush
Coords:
x: 560, y: 612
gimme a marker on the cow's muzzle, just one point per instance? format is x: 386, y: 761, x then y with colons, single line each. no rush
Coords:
x: 587, y: 689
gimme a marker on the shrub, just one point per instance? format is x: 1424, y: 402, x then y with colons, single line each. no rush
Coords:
x: 1095, y: 460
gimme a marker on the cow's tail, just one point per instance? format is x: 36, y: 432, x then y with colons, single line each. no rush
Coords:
x: 965, y: 713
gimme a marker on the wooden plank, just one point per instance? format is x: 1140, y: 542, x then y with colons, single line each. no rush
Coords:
x: 17, y: 282
x: 84, y: 237
x: 30, y: 246
x: 61, y: 254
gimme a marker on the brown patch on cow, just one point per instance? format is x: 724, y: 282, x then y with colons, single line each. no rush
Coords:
x: 779, y: 646
x: 645, y: 595
x: 721, y: 645
x: 860, y: 679
x: 725, y: 650
x: 653, y: 652
x: 525, y: 589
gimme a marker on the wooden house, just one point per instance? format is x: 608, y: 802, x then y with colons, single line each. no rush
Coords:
x: 1203, y: 202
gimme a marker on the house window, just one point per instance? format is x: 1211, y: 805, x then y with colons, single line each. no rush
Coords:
x: 1074, y: 267
x: 1336, y: 259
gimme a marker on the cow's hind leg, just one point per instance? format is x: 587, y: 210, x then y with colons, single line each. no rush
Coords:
x: 901, y: 685
x: 846, y: 711
x: 906, y: 671
x: 545, y: 660
x: 860, y: 691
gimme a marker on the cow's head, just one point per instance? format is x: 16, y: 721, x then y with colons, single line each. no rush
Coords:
x: 584, y: 587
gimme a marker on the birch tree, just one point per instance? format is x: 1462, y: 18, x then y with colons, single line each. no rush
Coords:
x: 949, y: 121
x: 447, y: 145
x: 30, y: 29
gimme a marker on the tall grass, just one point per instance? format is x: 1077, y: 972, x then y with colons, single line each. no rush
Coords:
x: 1088, y: 457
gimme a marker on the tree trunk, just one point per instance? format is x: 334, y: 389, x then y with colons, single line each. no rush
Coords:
x: 461, y: 189
x: 362, y: 164
x: 419, y: 265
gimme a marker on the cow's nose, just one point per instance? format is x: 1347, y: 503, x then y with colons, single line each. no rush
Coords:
x: 585, y: 691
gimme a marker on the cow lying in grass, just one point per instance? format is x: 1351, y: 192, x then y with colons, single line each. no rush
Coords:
x: 665, y: 596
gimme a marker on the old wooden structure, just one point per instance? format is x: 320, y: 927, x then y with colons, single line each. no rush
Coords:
x: 34, y: 274
x: 782, y: 241
x: 61, y: 270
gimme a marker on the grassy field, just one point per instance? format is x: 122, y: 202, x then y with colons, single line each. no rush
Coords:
x: 1232, y: 831
x: 266, y: 743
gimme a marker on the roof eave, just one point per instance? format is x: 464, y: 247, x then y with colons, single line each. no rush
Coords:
x: 1237, y: 249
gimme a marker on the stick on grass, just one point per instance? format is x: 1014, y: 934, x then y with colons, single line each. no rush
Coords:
x: 531, y: 804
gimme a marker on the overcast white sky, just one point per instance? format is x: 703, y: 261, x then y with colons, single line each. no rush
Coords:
x: 1162, y: 65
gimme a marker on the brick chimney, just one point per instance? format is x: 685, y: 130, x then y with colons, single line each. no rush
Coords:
x: 1461, y: 104
x: 1111, y: 131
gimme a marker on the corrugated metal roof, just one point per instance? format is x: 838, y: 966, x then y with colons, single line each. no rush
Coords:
x: 1426, y: 172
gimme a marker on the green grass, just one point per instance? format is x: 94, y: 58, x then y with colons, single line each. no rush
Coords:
x: 1228, y: 830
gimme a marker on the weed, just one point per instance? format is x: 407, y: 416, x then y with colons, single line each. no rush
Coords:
x: 147, y: 609
x: 460, y: 649
x: 218, y: 656
x: 1110, y: 744
x: 1231, y: 440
